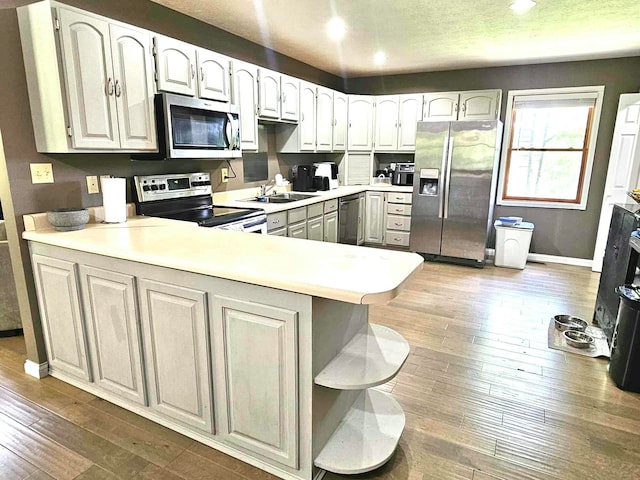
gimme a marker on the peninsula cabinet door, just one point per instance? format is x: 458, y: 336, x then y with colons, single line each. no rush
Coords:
x: 255, y: 346
x: 176, y: 353
x: 90, y: 85
x: 62, y: 322
x: 331, y: 227
x: 115, y: 345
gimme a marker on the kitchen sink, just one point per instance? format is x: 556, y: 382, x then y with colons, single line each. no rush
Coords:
x: 279, y: 198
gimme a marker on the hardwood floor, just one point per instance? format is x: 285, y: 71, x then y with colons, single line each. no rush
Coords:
x: 484, y: 397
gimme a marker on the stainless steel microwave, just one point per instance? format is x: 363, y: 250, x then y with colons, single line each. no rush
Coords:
x: 194, y: 128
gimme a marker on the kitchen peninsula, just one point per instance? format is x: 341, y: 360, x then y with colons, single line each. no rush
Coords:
x: 255, y: 345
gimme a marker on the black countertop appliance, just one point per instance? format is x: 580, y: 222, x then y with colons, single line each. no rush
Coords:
x: 302, y: 176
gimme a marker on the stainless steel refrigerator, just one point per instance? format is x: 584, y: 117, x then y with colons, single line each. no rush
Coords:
x: 454, y: 187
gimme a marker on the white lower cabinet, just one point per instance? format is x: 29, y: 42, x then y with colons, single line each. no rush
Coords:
x: 297, y: 230
x: 315, y: 229
x: 62, y: 323
x: 258, y: 387
x: 176, y: 352
x: 374, y: 218
x: 331, y: 227
x: 111, y: 315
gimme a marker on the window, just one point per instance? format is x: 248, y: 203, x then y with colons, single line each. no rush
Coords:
x: 548, y: 147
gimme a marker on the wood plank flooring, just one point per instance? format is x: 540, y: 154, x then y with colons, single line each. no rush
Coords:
x: 484, y: 397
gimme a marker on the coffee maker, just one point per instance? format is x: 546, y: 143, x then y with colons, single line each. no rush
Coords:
x: 328, y: 170
x: 302, y: 176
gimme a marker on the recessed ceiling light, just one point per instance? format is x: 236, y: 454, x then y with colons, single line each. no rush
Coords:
x: 336, y: 29
x: 380, y: 57
x: 522, y: 6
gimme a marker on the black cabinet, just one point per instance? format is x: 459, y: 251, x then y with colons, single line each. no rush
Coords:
x: 618, y: 267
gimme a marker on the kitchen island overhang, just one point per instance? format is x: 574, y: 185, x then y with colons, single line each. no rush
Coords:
x: 190, y: 326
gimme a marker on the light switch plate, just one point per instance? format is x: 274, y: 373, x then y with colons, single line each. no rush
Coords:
x: 41, y: 173
x: 224, y: 173
x: 92, y: 184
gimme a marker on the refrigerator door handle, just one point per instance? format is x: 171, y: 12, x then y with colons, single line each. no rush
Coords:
x: 443, y: 167
x: 448, y: 179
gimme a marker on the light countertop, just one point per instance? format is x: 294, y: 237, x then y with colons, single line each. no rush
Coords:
x: 238, y: 198
x: 329, y: 270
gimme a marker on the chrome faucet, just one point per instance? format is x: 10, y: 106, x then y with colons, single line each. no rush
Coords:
x: 266, y: 187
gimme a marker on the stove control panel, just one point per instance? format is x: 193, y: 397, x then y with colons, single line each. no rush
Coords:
x: 162, y: 187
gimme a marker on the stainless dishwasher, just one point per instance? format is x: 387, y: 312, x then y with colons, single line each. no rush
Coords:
x: 351, y: 218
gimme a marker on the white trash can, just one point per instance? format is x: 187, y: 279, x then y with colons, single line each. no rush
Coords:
x: 512, y: 244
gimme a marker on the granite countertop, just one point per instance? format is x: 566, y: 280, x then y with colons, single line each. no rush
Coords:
x: 340, y: 272
x: 238, y: 198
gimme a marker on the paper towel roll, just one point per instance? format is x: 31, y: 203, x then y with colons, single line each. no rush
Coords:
x: 114, y: 199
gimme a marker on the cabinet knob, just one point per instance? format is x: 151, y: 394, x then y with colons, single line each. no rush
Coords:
x: 109, y: 86
x: 202, y: 74
x: 118, y: 88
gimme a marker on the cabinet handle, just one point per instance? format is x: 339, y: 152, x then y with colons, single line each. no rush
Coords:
x: 396, y: 125
x: 397, y: 224
x: 275, y: 222
x: 302, y: 116
x: 283, y: 97
x: 399, y: 210
x: 109, y: 86
x: 193, y: 71
x: 118, y: 88
x: 202, y: 74
x: 397, y: 239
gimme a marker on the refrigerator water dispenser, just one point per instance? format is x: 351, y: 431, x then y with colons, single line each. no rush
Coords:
x: 429, y: 180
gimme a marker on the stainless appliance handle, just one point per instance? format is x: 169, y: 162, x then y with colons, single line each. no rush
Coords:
x: 448, y: 179
x: 227, y: 130
x: 443, y: 167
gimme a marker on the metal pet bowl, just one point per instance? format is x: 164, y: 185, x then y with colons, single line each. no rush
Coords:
x: 67, y: 219
x: 569, y: 322
x: 578, y: 339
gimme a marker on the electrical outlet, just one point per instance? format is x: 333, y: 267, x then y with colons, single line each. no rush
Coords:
x: 224, y: 172
x: 92, y: 184
x: 41, y: 173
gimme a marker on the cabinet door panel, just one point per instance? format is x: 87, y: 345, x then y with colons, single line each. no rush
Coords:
x: 174, y: 321
x: 374, y: 219
x: 360, y: 123
x: 440, y: 106
x: 290, y: 101
x: 307, y: 122
x: 133, y: 88
x: 214, y: 80
x: 331, y: 227
x: 299, y: 230
x: 260, y: 382
x: 386, y: 123
x: 315, y: 229
x: 62, y: 322
x: 269, y: 93
x: 89, y: 80
x: 246, y: 97
x: 339, y: 122
x: 176, y: 65
x: 410, y: 112
x: 479, y: 105
x: 112, y: 329
x: 324, y: 119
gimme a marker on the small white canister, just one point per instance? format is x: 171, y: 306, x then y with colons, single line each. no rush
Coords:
x: 114, y: 199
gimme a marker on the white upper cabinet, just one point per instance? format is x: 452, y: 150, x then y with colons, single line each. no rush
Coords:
x: 214, y: 76
x: 245, y: 77
x: 307, y: 123
x: 386, y: 133
x: 440, y: 106
x: 324, y: 119
x: 470, y: 105
x: 360, y: 122
x: 133, y: 87
x: 89, y: 80
x: 340, y: 119
x: 289, y: 101
x: 175, y: 65
x: 409, y: 113
x: 109, y: 85
x: 269, y: 94
x: 480, y: 105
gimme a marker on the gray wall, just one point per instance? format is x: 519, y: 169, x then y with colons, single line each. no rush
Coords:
x: 569, y: 233
x: 69, y: 189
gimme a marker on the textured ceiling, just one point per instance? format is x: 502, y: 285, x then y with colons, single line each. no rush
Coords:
x: 427, y: 35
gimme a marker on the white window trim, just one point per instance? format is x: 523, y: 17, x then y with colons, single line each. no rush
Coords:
x: 599, y: 90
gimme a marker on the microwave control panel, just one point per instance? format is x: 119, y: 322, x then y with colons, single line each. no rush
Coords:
x: 162, y: 187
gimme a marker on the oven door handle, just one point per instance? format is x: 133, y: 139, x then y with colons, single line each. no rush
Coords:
x: 255, y: 223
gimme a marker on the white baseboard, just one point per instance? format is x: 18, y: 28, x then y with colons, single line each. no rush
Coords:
x: 542, y: 258
x: 37, y: 370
